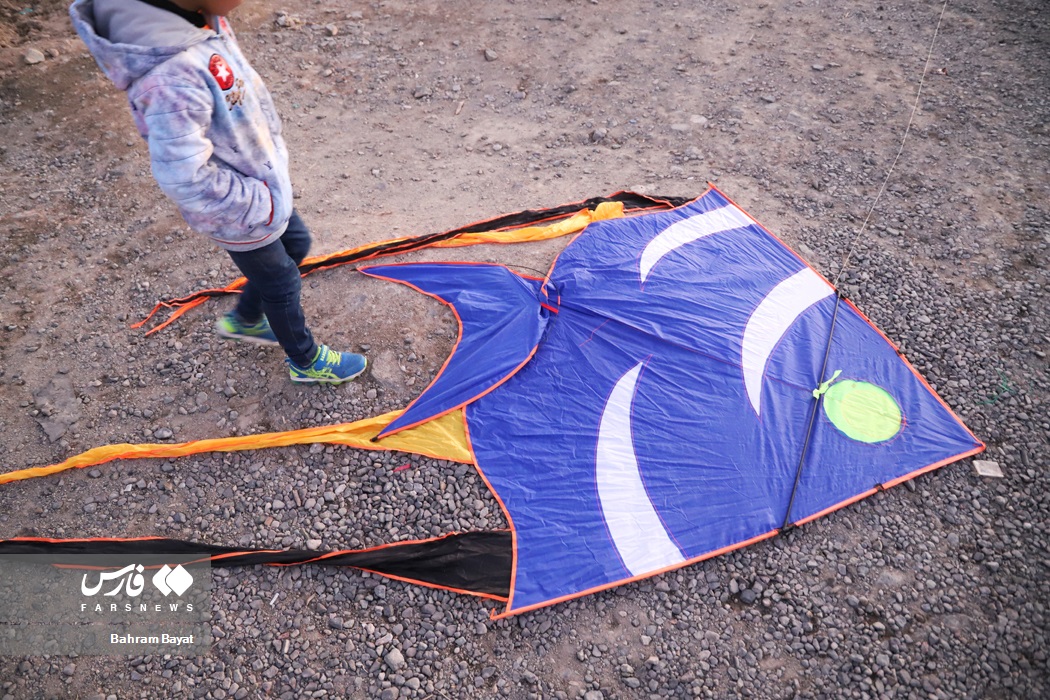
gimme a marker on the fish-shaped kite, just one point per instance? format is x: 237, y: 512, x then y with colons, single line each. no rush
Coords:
x: 651, y: 402
x: 680, y: 384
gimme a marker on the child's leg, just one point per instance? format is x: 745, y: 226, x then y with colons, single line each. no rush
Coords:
x: 296, y: 238
x: 274, y: 287
x: 296, y: 242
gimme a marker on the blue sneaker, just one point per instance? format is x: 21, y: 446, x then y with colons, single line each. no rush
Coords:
x: 232, y: 327
x: 328, y: 367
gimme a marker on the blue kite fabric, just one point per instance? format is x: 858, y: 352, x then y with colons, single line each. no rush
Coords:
x: 504, y: 317
x: 678, y: 360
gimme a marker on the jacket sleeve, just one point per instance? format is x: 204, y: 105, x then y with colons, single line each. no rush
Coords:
x: 213, y: 197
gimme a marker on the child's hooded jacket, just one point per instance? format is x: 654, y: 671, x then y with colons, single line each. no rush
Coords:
x: 214, y: 136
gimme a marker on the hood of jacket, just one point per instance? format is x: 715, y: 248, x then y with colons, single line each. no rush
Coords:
x: 130, y: 38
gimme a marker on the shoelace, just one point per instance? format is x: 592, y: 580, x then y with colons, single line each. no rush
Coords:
x: 328, y: 357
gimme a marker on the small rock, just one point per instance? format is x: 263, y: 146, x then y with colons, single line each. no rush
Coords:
x: 987, y: 467
x: 313, y: 545
x: 33, y: 56
x: 163, y: 433
x: 490, y: 55
x: 394, y: 659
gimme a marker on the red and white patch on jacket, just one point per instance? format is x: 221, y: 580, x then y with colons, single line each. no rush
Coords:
x: 221, y: 70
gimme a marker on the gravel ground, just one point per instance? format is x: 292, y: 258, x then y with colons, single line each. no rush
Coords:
x: 408, y: 118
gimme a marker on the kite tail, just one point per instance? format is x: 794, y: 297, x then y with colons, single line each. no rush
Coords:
x: 439, y: 439
x: 474, y: 563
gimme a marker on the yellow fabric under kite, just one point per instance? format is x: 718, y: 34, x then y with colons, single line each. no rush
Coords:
x: 442, y: 438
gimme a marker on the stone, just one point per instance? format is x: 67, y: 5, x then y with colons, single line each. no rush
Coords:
x: 394, y: 659
x: 58, y: 407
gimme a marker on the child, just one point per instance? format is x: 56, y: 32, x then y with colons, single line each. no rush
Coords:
x: 216, y: 149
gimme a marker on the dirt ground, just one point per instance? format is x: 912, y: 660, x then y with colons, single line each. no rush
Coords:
x: 405, y: 118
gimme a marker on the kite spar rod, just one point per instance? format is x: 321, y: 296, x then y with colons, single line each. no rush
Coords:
x: 818, y: 395
x: 817, y: 398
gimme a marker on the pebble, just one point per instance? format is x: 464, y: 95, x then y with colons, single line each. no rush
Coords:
x: 394, y: 659
x: 33, y: 56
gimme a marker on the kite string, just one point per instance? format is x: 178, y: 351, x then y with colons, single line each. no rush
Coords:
x: 787, y: 525
x: 889, y: 172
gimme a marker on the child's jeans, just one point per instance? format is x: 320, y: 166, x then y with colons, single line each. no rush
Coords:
x: 273, y: 288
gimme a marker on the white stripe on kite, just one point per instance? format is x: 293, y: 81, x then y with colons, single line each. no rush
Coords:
x: 635, y: 528
x: 688, y: 230
x: 772, y: 319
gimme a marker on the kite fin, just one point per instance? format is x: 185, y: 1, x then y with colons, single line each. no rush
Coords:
x: 501, y: 317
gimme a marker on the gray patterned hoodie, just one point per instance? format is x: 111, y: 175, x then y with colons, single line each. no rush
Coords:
x: 214, y: 136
